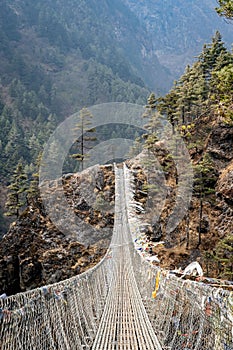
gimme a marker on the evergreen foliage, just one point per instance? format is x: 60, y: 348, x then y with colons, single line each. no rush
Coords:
x: 204, y: 185
x: 56, y: 57
x: 153, y: 122
x: 32, y: 191
x: 54, y: 61
x: 86, y: 139
x: 16, y: 196
x: 225, y: 8
x: 224, y: 257
x: 205, y: 87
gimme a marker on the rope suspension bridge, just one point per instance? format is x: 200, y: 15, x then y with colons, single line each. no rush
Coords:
x: 122, y: 303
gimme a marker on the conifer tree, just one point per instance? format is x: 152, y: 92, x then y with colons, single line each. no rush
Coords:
x: 86, y: 139
x: 153, y: 127
x: 167, y: 105
x: 204, y: 183
x: 223, y: 92
x: 194, y: 93
x: 225, y: 8
x: 153, y: 122
x: 33, y: 190
x: 16, y: 192
x: 224, y: 257
x: 210, y: 53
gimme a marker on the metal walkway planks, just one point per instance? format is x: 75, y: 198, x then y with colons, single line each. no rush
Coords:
x: 124, y: 324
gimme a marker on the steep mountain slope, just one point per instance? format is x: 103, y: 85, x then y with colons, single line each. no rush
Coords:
x: 178, y: 29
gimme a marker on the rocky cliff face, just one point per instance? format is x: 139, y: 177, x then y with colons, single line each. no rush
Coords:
x: 34, y: 252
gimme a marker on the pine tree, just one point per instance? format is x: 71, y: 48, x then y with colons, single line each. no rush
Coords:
x: 222, y: 95
x: 167, y: 105
x: 225, y: 8
x: 34, y: 146
x: 204, y: 183
x: 153, y: 124
x: 224, y: 257
x: 210, y: 53
x: 191, y: 92
x: 16, y: 192
x: 85, y: 140
x: 194, y: 94
x: 33, y: 191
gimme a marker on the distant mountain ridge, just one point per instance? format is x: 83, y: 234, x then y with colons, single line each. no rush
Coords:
x: 178, y: 29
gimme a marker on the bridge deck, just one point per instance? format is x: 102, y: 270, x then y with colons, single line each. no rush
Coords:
x: 124, y: 324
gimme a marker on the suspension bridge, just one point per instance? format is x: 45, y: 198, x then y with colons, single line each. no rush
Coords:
x: 120, y: 304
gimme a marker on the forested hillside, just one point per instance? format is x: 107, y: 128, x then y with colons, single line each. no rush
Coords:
x: 56, y: 57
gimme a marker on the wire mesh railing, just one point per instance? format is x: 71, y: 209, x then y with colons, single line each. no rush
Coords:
x: 64, y: 315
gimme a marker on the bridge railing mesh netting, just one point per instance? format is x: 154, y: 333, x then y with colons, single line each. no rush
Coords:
x: 185, y: 314
x: 64, y: 315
